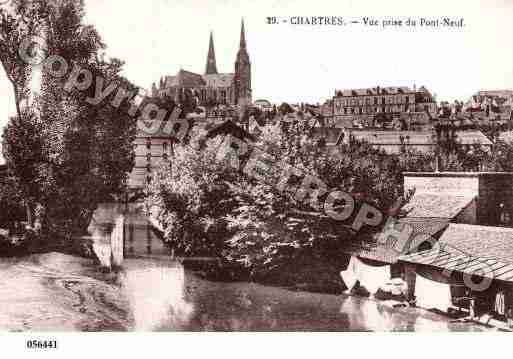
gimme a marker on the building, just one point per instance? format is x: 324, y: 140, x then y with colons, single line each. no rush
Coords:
x: 380, y: 106
x: 491, y: 105
x: 151, y: 151
x: 423, y: 141
x: 212, y: 87
x: 455, y: 236
x: 219, y: 98
x: 263, y: 105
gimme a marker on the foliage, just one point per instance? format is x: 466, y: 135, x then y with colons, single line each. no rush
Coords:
x: 285, y: 108
x: 66, y: 154
x: 11, y: 206
x: 210, y: 208
x: 192, y: 192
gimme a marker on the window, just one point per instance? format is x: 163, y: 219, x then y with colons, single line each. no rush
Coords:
x: 148, y: 144
x: 164, y: 146
x: 148, y: 168
x: 148, y: 157
x: 148, y: 179
x: 164, y: 156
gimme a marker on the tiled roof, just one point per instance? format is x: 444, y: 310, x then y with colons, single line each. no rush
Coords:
x: 423, y: 205
x: 482, y: 241
x: 190, y: 79
x: 472, y: 137
x: 391, y: 90
x: 373, y: 252
x: 367, y: 245
x: 331, y: 134
x: 501, y: 93
x: 381, y: 137
x: 428, y: 226
x: 416, y: 117
x: 482, y: 250
x: 185, y: 79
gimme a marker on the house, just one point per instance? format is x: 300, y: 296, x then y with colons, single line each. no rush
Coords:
x: 230, y: 128
x: 453, y: 219
x: 470, y: 259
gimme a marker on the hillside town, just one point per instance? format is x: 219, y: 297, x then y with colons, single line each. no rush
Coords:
x: 386, y: 195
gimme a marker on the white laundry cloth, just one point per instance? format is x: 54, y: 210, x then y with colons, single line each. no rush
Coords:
x: 431, y: 294
x: 370, y: 277
x: 349, y: 276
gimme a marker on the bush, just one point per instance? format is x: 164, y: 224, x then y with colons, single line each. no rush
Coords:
x: 207, y: 207
x: 194, y: 197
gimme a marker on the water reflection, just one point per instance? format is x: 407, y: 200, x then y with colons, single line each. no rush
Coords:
x: 162, y: 296
x: 156, y: 295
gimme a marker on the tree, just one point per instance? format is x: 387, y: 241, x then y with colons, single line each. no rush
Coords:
x: 285, y: 109
x: 10, y: 202
x: 210, y: 208
x: 23, y: 151
x: 66, y: 153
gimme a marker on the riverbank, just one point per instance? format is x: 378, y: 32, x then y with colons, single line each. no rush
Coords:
x: 58, y: 292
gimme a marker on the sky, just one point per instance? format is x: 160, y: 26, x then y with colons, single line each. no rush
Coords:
x: 307, y: 63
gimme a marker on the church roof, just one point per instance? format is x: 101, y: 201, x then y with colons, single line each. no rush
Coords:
x: 219, y: 80
x: 185, y: 79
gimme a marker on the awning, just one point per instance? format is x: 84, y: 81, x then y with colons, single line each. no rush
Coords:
x: 462, y: 263
x: 484, y: 251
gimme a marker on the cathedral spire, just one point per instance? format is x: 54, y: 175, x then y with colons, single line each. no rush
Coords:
x: 211, y: 67
x: 242, y: 36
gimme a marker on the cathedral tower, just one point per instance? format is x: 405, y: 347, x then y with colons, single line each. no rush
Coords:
x: 211, y: 67
x: 242, y: 70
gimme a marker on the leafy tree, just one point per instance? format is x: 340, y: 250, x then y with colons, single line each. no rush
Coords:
x: 66, y: 153
x: 10, y: 202
x: 285, y: 108
x: 209, y: 207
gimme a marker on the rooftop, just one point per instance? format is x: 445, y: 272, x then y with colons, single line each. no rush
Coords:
x: 372, y: 91
x: 483, y: 250
x: 425, y: 205
x: 369, y: 247
x: 384, y: 137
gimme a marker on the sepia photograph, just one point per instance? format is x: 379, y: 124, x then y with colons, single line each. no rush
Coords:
x: 271, y: 166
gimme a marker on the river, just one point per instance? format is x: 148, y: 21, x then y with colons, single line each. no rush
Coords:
x: 152, y: 292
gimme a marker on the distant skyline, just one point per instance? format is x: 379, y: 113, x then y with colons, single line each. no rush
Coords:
x: 307, y: 63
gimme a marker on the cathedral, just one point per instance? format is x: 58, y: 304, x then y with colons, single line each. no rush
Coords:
x: 212, y: 87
